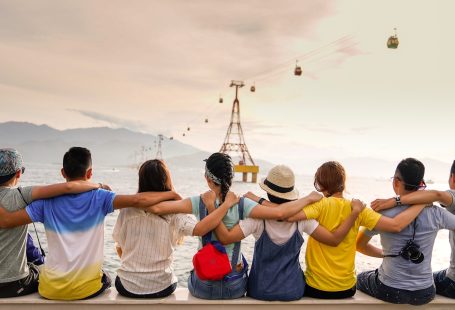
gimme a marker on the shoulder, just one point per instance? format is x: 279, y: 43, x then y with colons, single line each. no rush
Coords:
x: 248, y: 203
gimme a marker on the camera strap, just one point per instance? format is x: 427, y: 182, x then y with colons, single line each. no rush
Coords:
x: 413, y: 237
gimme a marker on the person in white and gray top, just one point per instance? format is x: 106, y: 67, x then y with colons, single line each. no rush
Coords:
x: 444, y: 280
x: 405, y: 275
x: 145, y: 241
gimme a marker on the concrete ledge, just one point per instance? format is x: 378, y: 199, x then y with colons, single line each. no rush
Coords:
x: 182, y: 299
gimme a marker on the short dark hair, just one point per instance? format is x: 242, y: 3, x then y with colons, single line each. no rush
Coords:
x: 452, y: 170
x: 412, y: 172
x: 277, y: 200
x: 76, y: 162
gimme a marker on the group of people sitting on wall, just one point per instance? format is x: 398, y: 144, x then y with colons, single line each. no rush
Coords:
x: 151, y: 223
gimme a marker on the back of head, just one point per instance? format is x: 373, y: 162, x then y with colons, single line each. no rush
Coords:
x: 330, y: 178
x: 220, y: 169
x: 154, y: 176
x: 10, y: 163
x: 76, y: 162
x: 412, y: 172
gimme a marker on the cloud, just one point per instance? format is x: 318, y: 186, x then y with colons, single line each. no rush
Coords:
x: 114, y: 122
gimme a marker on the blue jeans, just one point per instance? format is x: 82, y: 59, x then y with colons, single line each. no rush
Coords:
x: 444, y: 285
x: 369, y: 283
x: 217, y: 289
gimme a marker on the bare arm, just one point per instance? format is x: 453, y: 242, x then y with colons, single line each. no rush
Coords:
x: 143, y: 200
x: 73, y: 187
x: 400, y: 221
x: 172, y: 207
x: 215, y: 218
x: 119, y: 251
x: 13, y: 219
x: 365, y: 247
x: 284, y: 210
x: 334, y: 238
x: 417, y: 197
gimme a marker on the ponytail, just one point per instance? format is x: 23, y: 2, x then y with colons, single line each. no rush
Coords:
x: 220, y: 169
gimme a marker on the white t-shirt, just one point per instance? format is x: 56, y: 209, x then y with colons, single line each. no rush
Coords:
x: 147, y: 242
x: 279, y: 232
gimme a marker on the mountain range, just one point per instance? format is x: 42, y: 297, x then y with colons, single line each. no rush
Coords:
x: 123, y: 147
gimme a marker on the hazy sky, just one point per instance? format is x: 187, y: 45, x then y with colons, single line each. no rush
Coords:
x: 159, y: 66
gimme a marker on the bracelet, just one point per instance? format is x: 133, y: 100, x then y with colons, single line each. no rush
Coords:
x: 260, y: 201
x: 398, y: 200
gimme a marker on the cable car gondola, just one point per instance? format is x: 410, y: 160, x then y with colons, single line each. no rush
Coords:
x: 253, y: 88
x: 183, y: 134
x: 220, y: 100
x: 206, y: 120
x: 171, y: 138
x: 298, y: 69
x: 393, y: 42
x: 188, y: 129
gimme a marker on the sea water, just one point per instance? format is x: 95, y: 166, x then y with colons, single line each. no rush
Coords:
x: 189, y: 181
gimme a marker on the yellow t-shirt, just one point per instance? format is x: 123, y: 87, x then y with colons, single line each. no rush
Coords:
x: 329, y: 268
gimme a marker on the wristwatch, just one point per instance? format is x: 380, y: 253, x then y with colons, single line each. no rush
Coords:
x: 260, y: 201
x: 398, y: 200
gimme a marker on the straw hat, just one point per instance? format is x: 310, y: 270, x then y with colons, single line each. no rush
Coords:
x: 280, y: 182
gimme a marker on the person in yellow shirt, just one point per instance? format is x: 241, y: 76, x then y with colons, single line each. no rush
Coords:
x: 330, y: 272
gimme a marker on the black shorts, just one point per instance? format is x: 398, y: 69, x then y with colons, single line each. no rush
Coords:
x: 25, y: 286
x: 124, y: 292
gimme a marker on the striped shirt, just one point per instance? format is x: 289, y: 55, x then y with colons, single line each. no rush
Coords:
x: 147, y: 242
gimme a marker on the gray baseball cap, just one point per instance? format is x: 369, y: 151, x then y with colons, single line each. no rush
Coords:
x: 10, y: 162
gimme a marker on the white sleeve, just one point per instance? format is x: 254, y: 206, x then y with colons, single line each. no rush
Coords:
x: 252, y: 226
x: 308, y: 226
x: 185, y: 224
x: 117, y: 233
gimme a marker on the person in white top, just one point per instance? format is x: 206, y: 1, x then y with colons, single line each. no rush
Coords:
x: 276, y: 273
x: 145, y: 242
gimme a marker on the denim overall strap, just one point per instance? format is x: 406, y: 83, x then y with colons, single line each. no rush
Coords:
x: 236, y: 250
x: 276, y: 273
x: 203, y: 213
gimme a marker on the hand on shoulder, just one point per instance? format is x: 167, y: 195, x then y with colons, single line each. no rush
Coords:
x: 357, y: 205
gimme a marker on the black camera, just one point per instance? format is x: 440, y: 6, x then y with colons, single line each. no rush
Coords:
x: 411, y: 251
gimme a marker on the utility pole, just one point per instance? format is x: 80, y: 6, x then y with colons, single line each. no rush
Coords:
x: 159, y: 153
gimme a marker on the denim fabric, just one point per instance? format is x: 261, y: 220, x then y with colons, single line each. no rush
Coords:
x: 369, y: 283
x: 276, y: 273
x: 217, y: 289
x: 444, y: 285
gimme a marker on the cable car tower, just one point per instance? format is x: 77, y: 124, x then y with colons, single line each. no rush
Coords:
x: 234, y: 142
x: 158, y: 144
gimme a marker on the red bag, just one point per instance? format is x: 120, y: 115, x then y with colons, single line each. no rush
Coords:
x: 211, y: 262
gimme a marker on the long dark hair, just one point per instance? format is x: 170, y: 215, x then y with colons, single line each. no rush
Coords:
x: 222, y: 167
x: 154, y: 176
